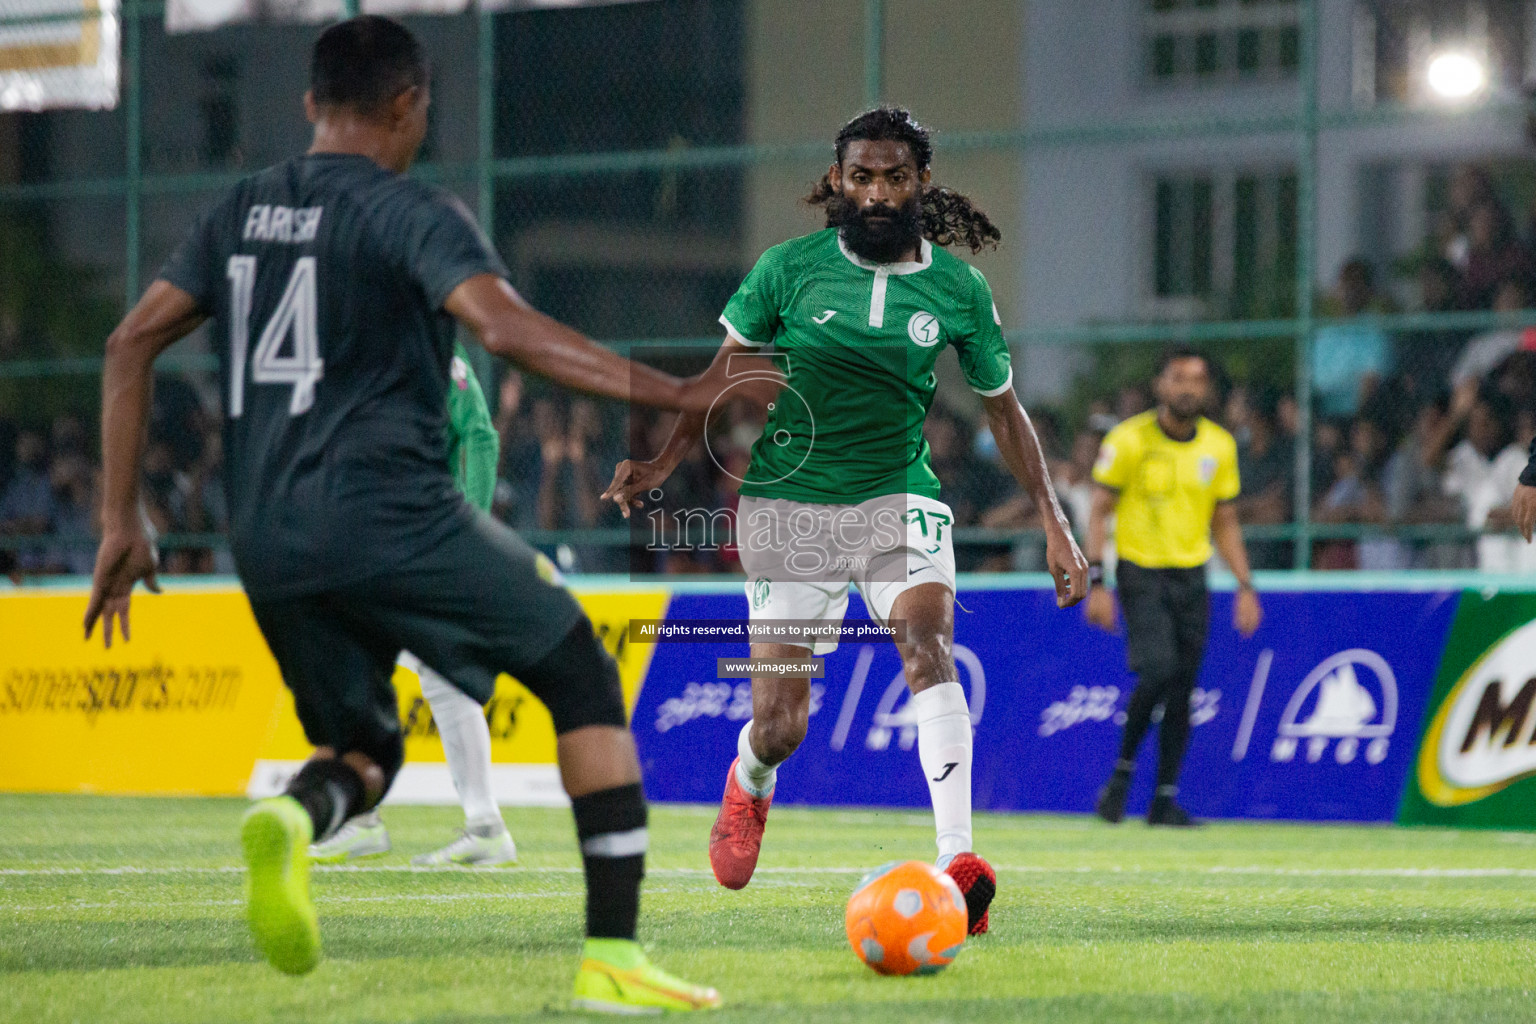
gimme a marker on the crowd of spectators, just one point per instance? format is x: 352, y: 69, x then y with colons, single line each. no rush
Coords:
x: 1417, y: 440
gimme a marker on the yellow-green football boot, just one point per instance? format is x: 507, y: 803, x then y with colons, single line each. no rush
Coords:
x: 275, y: 837
x: 615, y: 977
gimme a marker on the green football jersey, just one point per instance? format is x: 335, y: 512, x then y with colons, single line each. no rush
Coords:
x: 856, y: 343
x: 474, y: 447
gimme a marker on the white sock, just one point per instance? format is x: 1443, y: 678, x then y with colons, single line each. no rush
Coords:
x: 466, y: 743
x: 751, y: 774
x: 944, y: 747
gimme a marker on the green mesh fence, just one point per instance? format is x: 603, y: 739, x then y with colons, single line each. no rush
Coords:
x: 630, y: 161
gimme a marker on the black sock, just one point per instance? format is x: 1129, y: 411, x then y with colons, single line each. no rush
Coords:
x: 611, y: 827
x: 331, y: 791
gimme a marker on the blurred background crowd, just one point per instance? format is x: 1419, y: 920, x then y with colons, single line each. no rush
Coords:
x: 1410, y: 431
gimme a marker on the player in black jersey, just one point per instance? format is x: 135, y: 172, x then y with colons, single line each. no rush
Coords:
x: 333, y: 285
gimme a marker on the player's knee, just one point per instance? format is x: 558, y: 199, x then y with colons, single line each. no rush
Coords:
x: 578, y: 682
x: 929, y: 662
x: 778, y: 729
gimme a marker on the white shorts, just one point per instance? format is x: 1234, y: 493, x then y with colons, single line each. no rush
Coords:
x: 800, y: 556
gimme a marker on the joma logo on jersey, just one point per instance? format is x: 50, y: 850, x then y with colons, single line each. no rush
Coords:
x: 923, y: 329
x: 282, y: 224
x: 1483, y: 738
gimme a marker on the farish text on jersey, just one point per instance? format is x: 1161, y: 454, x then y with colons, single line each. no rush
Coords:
x: 282, y: 224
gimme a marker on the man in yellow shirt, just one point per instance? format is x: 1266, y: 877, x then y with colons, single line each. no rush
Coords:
x: 1169, y: 477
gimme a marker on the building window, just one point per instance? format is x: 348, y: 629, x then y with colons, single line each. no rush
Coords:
x: 1224, y: 243
x: 1183, y: 223
x: 219, y: 106
x: 1199, y: 42
x: 1395, y: 41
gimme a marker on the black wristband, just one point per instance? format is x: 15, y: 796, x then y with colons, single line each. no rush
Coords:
x: 1096, y: 573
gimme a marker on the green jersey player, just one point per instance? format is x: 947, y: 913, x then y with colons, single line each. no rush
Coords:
x: 839, y: 487
x: 473, y: 448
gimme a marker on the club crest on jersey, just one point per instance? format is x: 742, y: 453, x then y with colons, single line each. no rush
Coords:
x: 1207, y: 469
x: 760, y: 589
x: 923, y: 329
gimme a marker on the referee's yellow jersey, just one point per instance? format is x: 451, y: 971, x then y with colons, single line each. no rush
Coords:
x: 1168, y: 489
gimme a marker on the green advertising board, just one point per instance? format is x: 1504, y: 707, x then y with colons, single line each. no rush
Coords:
x: 1476, y: 763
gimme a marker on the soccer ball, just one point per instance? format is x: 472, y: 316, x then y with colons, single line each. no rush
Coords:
x: 906, y: 918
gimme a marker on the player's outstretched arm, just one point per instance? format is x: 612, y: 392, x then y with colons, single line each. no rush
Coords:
x: 633, y: 477
x: 1227, y: 536
x: 509, y: 327
x: 1020, y: 448
x: 127, y: 554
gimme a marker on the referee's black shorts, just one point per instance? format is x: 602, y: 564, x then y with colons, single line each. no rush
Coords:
x: 1167, y: 613
x: 481, y: 603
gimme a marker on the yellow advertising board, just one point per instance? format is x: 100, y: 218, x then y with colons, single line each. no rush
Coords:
x: 193, y: 704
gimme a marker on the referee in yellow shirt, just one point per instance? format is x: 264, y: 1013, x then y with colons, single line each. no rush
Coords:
x: 1169, y: 477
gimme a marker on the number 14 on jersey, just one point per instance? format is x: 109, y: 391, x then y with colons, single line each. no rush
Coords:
x: 297, y: 314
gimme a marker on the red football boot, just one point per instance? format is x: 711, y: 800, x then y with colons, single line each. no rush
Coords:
x: 978, y: 884
x: 737, y: 837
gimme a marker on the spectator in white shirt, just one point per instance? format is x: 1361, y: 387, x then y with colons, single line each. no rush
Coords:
x: 1482, y: 471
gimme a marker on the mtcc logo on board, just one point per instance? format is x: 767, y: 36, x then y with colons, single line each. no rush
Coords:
x: 1349, y: 699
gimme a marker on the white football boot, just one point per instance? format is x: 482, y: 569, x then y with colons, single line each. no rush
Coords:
x: 474, y: 848
x: 361, y: 836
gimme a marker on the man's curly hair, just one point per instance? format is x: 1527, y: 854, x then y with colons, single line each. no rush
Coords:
x: 949, y: 218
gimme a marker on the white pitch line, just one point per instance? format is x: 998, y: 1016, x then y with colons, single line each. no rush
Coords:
x: 1114, y: 869
x: 325, y: 901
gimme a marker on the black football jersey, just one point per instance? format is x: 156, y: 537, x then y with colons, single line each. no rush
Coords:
x: 325, y: 279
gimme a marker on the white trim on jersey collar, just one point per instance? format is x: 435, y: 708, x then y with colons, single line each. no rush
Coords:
x: 924, y: 261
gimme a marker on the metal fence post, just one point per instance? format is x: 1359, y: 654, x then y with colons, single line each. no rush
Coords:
x: 1306, y: 270
x: 874, y: 45
x: 133, y: 80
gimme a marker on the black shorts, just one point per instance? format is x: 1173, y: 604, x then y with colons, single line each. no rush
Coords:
x: 1167, y: 613
x: 481, y: 603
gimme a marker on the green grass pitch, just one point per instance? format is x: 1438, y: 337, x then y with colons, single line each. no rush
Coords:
x: 130, y: 910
